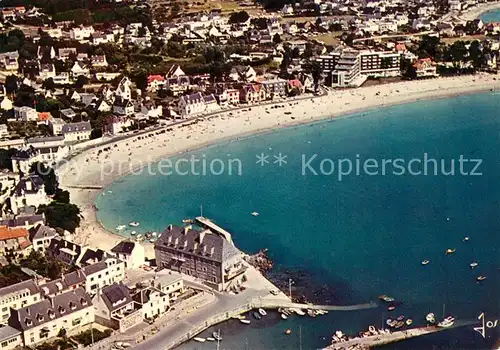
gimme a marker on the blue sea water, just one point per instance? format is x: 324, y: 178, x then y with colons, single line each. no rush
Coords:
x: 490, y: 16
x: 363, y: 236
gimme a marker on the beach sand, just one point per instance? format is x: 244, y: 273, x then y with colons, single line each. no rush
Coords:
x: 102, y: 168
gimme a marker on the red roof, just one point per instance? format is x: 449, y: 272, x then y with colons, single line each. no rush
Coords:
x: 295, y: 83
x: 7, y: 233
x: 152, y: 78
x: 43, y: 116
x: 400, y: 47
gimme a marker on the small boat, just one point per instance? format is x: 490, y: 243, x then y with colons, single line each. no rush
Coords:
x: 480, y: 278
x: 409, y: 322
x: 120, y: 227
x: 134, y: 224
x: 262, y: 312
x: 133, y: 233
x: 391, y: 308
x: 450, y: 251
x: 473, y: 264
x: 425, y: 262
x: 154, y: 234
x: 288, y: 332
x: 388, y: 322
x: 216, y: 336
x: 430, y: 318
x: 201, y: 340
x: 254, y: 213
x: 447, y: 322
x: 399, y: 324
x: 256, y: 315
x: 110, y: 192
x: 386, y: 298
x: 299, y: 312
x: 400, y: 318
x: 151, y: 240
x: 210, y: 339
x: 187, y: 221
x: 311, y: 313
x: 245, y: 321
x: 466, y: 239
x: 283, y: 316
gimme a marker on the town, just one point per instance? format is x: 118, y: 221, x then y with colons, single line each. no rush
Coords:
x: 80, y: 75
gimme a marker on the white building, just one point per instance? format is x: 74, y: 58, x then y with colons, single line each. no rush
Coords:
x: 153, y: 302
x: 16, y: 296
x: 23, y: 158
x: 26, y: 113
x: 191, y: 104
x: 45, y: 319
x: 29, y: 192
x: 132, y: 253
x: 77, y: 131
x: 81, y: 33
x: 56, y: 125
x: 41, y: 237
x: 123, y: 107
x: 5, y: 103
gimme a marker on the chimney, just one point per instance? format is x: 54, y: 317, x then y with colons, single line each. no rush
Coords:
x: 187, y: 228
x: 28, y: 185
x: 51, y: 302
x: 28, y: 311
x: 170, y: 227
x: 195, y: 248
x: 169, y: 239
x: 202, y: 235
x: 204, y: 249
x: 176, y: 241
x: 212, y: 250
x: 185, y: 244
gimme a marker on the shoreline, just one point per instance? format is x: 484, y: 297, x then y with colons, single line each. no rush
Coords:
x: 476, y: 12
x: 212, y: 130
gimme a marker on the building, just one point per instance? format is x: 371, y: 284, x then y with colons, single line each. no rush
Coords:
x: 178, y: 85
x: 45, y: 319
x: 24, y: 158
x: 99, y: 61
x: 380, y: 64
x: 123, y: 107
x: 170, y: 283
x: 426, y: 68
x: 131, y: 253
x: 56, y: 125
x: 201, y: 254
x: 116, y: 309
x: 17, y: 296
x: 77, y: 131
x: 153, y: 302
x: 252, y: 93
x: 6, y: 103
x: 26, y: 221
x: 81, y: 33
x: 28, y: 193
x: 79, y: 69
x: 10, y: 338
x: 26, y: 114
x: 41, y: 236
x: 274, y: 88
x: 115, y: 124
x: 191, y: 104
x: 103, y: 273
x: 9, y: 61
x: 155, y: 82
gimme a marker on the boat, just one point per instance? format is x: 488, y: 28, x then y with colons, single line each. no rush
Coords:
x: 154, y: 233
x: 134, y: 224
x: 386, y: 298
x: 283, y: 316
x: 210, y: 339
x: 254, y: 213
x: 288, y: 332
x: 187, y: 221
x: 216, y: 336
x: 399, y: 324
x: 400, y: 318
x: 299, y: 312
x: 133, y: 233
x: 245, y: 321
x: 151, y: 240
x: 409, y: 322
x: 466, y: 239
x: 121, y: 227
x: 262, y: 312
x: 447, y: 322
x: 480, y: 278
x: 311, y: 313
x: 430, y: 318
x: 256, y: 315
x: 199, y: 339
x: 391, y: 308
x: 425, y: 262
x: 388, y: 322
x: 473, y: 264
x: 450, y: 251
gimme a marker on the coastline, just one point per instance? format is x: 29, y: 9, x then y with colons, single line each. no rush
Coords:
x: 85, y: 169
x: 477, y: 11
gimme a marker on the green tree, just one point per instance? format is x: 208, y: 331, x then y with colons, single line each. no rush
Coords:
x: 61, y: 215
x: 61, y: 196
x: 238, y: 17
x: 11, y: 84
x: 48, y: 175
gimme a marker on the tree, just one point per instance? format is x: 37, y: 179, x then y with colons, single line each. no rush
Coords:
x: 61, y: 215
x: 458, y: 52
x: 48, y: 175
x: 81, y: 81
x: 238, y: 17
x: 11, y: 84
x: 49, y: 84
x: 429, y: 47
x: 277, y: 39
x: 6, y: 158
x: 477, y: 55
x: 408, y: 70
x: 62, y: 196
x: 43, y: 265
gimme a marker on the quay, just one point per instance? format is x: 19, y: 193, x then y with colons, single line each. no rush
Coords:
x: 387, y: 338
x: 207, y: 223
x: 86, y: 187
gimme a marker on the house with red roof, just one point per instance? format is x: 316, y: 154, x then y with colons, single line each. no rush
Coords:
x: 426, y: 68
x: 155, y: 82
x: 295, y: 84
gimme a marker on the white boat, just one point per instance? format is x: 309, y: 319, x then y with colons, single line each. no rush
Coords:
x: 201, y: 340
x: 450, y: 251
x: 480, y: 278
x: 154, y: 233
x: 210, y: 339
x: 254, y: 213
x: 447, y: 322
x: 409, y: 322
x: 245, y: 321
x: 425, y: 262
x: 262, y: 312
x: 134, y: 224
x: 430, y: 318
x: 133, y: 233
x: 283, y: 316
x: 473, y: 264
x: 466, y: 238
x: 120, y: 227
x: 299, y: 312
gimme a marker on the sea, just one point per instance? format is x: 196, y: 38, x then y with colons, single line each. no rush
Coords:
x: 424, y: 176
x: 490, y: 16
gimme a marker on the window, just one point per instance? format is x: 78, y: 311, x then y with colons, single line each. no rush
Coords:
x: 4, y: 344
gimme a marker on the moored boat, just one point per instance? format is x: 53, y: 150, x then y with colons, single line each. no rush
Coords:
x: 210, y: 339
x: 450, y: 251
x: 430, y: 318
x: 447, y: 322
x: 262, y: 312
x: 298, y: 312
x: 283, y: 316
x: 473, y: 264
x: 256, y: 315
x: 409, y: 322
x: 311, y: 313
x: 245, y: 321
x: 254, y: 213
x: 120, y: 227
x: 480, y: 278
x: 466, y: 239
x: 386, y: 298
x: 199, y: 339
x: 134, y: 224
x: 216, y: 336
x: 425, y: 262
x: 391, y: 308
x: 133, y: 233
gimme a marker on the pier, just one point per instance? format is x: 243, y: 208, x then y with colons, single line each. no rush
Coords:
x: 387, y: 338
x: 276, y: 304
x: 86, y: 187
x: 206, y: 223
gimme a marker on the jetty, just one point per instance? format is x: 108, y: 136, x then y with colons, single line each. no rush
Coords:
x: 86, y: 187
x: 207, y: 223
x: 392, y: 337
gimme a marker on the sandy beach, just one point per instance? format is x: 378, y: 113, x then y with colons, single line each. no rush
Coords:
x: 100, y: 167
x: 476, y: 11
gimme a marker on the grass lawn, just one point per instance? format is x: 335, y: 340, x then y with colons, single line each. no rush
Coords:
x: 463, y: 38
x: 329, y: 38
